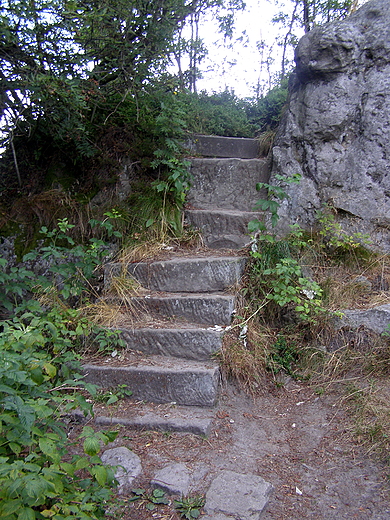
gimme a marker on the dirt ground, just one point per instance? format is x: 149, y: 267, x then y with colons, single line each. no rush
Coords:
x: 300, y: 442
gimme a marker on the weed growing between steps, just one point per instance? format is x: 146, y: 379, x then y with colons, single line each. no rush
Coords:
x: 156, y: 500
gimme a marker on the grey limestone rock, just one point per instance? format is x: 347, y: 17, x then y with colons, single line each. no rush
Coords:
x: 376, y: 319
x: 174, y: 479
x: 233, y: 495
x: 336, y: 130
x: 128, y: 466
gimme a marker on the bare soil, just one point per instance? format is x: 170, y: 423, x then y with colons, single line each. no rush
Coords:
x: 300, y: 442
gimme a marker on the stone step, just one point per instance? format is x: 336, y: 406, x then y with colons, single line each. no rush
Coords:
x: 222, y: 229
x: 186, y: 343
x: 227, y: 183
x: 217, y: 146
x: 139, y: 415
x: 161, y: 380
x: 184, y: 274
x: 203, y: 309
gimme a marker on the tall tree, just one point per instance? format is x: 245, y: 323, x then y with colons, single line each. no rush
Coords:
x: 189, y: 45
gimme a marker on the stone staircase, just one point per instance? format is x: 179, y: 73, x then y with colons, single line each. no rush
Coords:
x: 223, y: 194
x: 188, y: 301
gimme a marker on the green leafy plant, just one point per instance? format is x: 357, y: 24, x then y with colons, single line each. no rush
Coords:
x: 189, y: 507
x: 279, y: 275
x: 335, y: 237
x: 283, y: 355
x: 71, y: 265
x: 151, y: 500
x: 276, y: 194
x: 288, y: 285
x: 174, y: 172
x: 113, y: 396
x: 37, y: 479
x: 40, y: 384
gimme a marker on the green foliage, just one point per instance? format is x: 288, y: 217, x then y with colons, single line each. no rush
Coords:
x: 113, y: 396
x: 189, y: 507
x: 218, y: 114
x: 40, y: 384
x: 276, y: 276
x: 288, y: 286
x: 283, y: 355
x: 335, y: 238
x: 37, y: 478
x: 71, y: 70
x: 170, y: 126
x: 151, y: 500
x: 276, y: 195
x: 266, y: 112
x: 72, y: 266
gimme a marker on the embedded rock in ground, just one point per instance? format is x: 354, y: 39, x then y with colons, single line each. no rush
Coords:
x: 128, y: 466
x: 335, y: 131
x: 173, y: 479
x: 376, y: 319
x: 237, y: 496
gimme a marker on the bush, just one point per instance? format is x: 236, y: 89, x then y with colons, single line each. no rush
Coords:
x: 40, y: 384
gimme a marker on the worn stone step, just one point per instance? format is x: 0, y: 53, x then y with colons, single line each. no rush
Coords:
x: 184, y: 274
x: 161, y: 380
x: 222, y: 229
x: 139, y: 415
x: 217, y: 146
x: 202, y: 309
x: 186, y: 343
x: 226, y: 183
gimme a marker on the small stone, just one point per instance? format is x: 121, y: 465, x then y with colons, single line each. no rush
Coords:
x: 129, y: 466
x: 174, y: 479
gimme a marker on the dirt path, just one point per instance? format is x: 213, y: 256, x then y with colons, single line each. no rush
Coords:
x: 296, y: 440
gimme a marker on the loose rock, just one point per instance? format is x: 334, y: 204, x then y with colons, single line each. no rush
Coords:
x: 129, y: 466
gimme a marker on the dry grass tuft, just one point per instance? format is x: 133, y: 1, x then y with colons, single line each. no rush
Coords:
x: 360, y: 375
x: 368, y: 401
x: 244, y: 357
x: 102, y: 313
x: 266, y: 140
x: 155, y: 244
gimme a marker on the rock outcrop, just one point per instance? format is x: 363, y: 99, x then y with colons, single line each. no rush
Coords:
x: 336, y: 129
